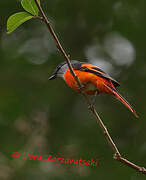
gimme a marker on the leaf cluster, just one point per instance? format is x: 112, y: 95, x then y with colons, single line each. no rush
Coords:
x: 31, y: 11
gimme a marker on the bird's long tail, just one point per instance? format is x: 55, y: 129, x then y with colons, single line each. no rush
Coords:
x: 122, y: 99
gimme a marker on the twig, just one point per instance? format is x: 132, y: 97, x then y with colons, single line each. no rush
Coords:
x: 58, y: 45
x: 117, y: 154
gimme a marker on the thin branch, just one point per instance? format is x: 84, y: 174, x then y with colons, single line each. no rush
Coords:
x: 58, y: 45
x: 117, y: 154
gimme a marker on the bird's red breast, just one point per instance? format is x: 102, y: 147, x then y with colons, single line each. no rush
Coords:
x: 89, y: 79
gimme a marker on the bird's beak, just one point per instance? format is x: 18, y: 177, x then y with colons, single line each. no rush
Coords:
x: 52, y: 77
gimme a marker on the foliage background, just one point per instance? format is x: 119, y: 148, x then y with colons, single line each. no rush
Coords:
x: 37, y: 116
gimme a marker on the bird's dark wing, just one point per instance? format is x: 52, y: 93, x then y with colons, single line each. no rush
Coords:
x: 95, y: 70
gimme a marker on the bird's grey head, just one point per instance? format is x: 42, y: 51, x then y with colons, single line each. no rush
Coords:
x: 62, y: 67
x: 59, y: 71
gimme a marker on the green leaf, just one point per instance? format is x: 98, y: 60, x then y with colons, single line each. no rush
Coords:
x: 16, y: 20
x: 30, y: 6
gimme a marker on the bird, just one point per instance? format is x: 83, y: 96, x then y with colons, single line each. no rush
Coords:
x: 94, y: 80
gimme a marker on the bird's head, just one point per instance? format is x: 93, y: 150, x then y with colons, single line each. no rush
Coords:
x: 61, y: 69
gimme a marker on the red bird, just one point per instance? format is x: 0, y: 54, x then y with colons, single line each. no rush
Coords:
x: 93, y: 79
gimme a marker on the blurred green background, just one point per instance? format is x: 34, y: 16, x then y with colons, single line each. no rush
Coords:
x: 41, y: 116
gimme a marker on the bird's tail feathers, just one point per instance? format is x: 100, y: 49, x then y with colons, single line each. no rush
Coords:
x: 122, y: 99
